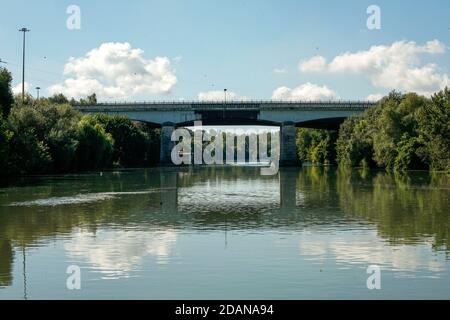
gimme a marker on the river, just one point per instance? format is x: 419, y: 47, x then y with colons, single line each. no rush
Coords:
x: 226, y: 233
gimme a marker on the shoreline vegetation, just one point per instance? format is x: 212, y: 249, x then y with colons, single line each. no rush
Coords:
x: 47, y: 136
x: 403, y: 132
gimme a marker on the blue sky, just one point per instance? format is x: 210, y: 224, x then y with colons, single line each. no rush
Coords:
x: 211, y: 45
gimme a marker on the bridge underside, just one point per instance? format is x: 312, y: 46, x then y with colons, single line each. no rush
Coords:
x: 326, y: 124
x: 219, y: 118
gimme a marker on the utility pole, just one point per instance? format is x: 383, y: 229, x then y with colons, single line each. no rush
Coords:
x: 37, y: 89
x: 24, y: 30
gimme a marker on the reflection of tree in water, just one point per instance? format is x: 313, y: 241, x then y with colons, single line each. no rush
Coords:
x: 6, y: 262
x: 405, y: 209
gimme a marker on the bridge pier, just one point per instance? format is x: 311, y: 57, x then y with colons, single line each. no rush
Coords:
x: 166, y: 143
x: 288, y: 150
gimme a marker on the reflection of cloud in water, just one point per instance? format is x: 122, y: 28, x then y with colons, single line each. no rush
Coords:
x: 368, y: 249
x: 229, y: 195
x: 78, y: 199
x: 117, y: 253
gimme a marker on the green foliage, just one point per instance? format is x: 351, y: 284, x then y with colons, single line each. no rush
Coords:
x: 43, y: 137
x: 354, y: 147
x: 5, y: 137
x: 134, y: 145
x: 402, y: 132
x: 408, y: 154
x: 395, y: 119
x: 33, y: 141
x: 58, y: 99
x: 95, y: 146
x: 316, y: 146
x: 434, y: 128
x: 6, y: 95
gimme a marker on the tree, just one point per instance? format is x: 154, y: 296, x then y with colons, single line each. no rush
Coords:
x: 134, y: 145
x: 5, y: 137
x: 354, y: 147
x: 95, y: 146
x: 6, y: 95
x: 316, y: 146
x: 409, y: 154
x: 58, y: 99
x: 434, y: 128
x: 396, y: 118
x: 92, y: 99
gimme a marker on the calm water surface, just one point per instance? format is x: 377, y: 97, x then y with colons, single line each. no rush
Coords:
x: 226, y: 233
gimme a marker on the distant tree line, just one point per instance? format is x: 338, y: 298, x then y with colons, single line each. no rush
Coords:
x: 49, y: 136
x: 403, y: 132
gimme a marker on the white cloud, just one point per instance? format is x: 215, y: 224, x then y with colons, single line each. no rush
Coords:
x: 315, y: 64
x: 374, y: 97
x: 116, y: 70
x: 307, y: 91
x: 218, y: 95
x: 17, y: 89
x: 279, y: 70
x: 397, y: 66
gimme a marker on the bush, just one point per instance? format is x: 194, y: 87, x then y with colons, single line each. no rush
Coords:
x: 316, y: 146
x: 408, y: 154
x: 95, y: 146
x: 132, y: 145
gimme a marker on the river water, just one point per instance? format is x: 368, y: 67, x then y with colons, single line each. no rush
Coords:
x: 226, y: 233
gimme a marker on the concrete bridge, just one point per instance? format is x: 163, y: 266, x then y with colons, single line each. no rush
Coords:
x: 286, y: 115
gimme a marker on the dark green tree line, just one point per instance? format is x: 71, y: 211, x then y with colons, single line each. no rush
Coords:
x: 403, y: 132
x: 49, y: 136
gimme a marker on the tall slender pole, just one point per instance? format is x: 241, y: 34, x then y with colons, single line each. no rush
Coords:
x: 224, y: 103
x: 25, y: 295
x: 24, y: 30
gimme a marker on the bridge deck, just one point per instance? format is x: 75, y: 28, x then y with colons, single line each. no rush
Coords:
x: 230, y: 105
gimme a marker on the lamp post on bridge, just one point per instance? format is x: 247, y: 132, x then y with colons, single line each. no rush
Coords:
x: 225, y: 102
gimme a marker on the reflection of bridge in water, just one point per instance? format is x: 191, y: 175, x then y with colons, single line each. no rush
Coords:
x: 286, y: 115
x: 278, y: 192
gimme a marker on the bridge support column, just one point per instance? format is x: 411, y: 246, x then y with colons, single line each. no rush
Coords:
x: 166, y: 143
x: 288, y: 150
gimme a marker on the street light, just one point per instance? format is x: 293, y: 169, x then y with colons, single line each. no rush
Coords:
x: 224, y: 103
x: 24, y: 30
x: 37, y: 89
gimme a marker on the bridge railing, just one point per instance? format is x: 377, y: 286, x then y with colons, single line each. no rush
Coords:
x: 232, y: 104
